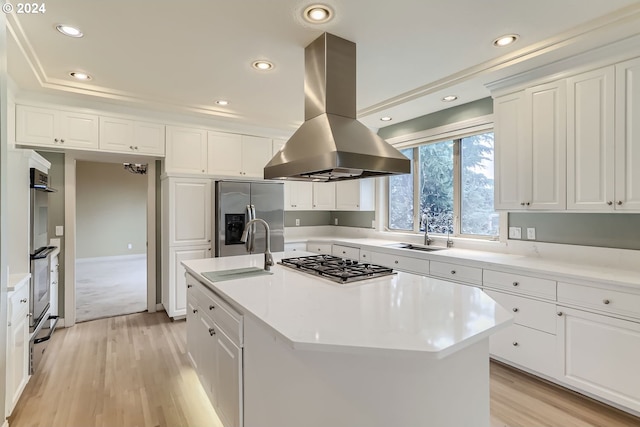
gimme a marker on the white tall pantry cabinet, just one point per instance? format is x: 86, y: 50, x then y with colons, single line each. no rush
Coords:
x: 186, y: 219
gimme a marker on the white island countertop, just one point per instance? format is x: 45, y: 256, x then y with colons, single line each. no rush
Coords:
x: 399, y: 314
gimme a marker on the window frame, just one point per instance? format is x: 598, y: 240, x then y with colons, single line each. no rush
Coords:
x: 454, y: 132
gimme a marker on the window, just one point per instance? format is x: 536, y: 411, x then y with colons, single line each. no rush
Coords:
x: 449, y: 190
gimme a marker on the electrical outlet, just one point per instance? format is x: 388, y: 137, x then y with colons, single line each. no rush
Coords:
x: 59, y: 230
x: 129, y: 246
x: 373, y: 223
x: 531, y: 233
x: 335, y: 221
x: 515, y: 233
x: 297, y: 222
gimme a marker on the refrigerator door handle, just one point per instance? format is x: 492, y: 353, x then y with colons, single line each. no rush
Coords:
x: 247, y: 243
x: 253, y: 229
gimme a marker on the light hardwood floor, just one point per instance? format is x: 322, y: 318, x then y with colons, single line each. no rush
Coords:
x: 133, y: 371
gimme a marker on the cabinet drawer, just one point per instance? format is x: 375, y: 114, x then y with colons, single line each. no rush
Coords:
x: 18, y: 303
x: 365, y: 256
x: 345, y: 252
x: 610, y: 301
x: 527, y: 312
x: 459, y: 273
x: 526, y: 347
x: 517, y: 283
x: 412, y: 265
x: 320, y: 248
x: 223, y: 315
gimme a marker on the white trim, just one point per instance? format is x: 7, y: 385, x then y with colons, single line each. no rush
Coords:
x: 160, y: 307
x: 70, y: 242
x: 6, y: 423
x: 451, y: 131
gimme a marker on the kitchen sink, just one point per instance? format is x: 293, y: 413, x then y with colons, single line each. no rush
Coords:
x: 413, y: 247
x: 235, y: 274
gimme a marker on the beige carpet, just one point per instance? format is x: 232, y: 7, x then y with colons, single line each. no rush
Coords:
x: 110, y: 286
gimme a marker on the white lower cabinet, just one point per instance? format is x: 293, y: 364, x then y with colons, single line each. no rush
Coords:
x: 401, y: 263
x: 174, y: 290
x: 526, y: 347
x: 345, y: 252
x: 320, y: 248
x: 214, y: 343
x: 599, y: 354
x: 17, y: 351
x: 459, y: 273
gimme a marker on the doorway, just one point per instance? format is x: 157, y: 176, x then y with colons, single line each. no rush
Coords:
x: 111, y: 231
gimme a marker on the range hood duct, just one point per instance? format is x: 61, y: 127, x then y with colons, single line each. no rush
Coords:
x: 331, y: 145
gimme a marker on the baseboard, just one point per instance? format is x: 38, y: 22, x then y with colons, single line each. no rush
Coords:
x: 60, y: 323
x: 159, y: 307
x: 5, y: 423
x: 111, y: 258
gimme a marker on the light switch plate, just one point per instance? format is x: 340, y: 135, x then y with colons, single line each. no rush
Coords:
x: 531, y: 233
x: 515, y: 233
x: 297, y: 222
x: 59, y: 230
x: 335, y: 221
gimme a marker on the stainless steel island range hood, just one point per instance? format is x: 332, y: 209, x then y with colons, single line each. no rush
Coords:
x: 331, y: 144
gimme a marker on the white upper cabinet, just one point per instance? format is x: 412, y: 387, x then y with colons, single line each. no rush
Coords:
x: 186, y: 150
x: 238, y: 155
x: 627, y: 130
x: 324, y: 196
x: 128, y: 136
x: 512, y: 164
x: 356, y: 195
x: 530, y: 149
x: 55, y: 128
x: 298, y: 196
x: 590, y: 140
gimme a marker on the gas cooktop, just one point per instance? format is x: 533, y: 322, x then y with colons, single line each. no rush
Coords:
x: 340, y: 270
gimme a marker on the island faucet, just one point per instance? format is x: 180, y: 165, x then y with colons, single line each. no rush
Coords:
x: 268, y: 258
x: 427, y: 239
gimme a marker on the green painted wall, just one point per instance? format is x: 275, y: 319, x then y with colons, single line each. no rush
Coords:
x: 608, y: 230
x: 471, y: 110
x: 345, y: 218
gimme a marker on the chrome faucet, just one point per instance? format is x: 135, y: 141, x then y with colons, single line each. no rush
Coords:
x: 427, y: 239
x: 268, y: 259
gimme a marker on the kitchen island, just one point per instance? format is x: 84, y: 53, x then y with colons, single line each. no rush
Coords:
x: 401, y: 350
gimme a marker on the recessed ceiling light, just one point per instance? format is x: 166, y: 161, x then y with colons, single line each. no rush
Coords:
x: 503, y: 41
x: 318, y: 13
x: 68, y: 30
x: 80, y: 76
x: 449, y: 98
x: 222, y: 102
x: 262, y: 65
x: 386, y: 119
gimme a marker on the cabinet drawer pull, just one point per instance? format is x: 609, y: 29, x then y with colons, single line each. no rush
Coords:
x: 609, y: 203
x: 211, y: 307
x: 55, y: 140
x: 453, y: 272
x: 364, y: 255
x: 212, y: 331
x: 23, y: 300
x: 516, y: 284
x: 396, y: 261
x: 189, y: 286
x: 195, y: 310
x: 606, y: 301
x: 515, y: 309
x: 62, y: 141
x: 619, y: 202
x: 515, y: 343
x: 559, y: 313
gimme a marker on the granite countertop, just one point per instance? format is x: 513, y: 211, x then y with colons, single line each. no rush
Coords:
x: 399, y: 314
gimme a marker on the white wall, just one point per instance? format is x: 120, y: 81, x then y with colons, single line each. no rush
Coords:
x: 110, y: 210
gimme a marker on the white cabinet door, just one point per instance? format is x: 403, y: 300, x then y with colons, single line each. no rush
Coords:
x: 36, y: 126
x: 512, y: 165
x: 186, y: 150
x: 627, y: 145
x: 324, y: 196
x: 176, y: 301
x: 189, y: 206
x: 225, y: 154
x: 298, y: 196
x: 228, y: 380
x: 590, y: 140
x: 116, y: 135
x: 355, y: 195
x: 42, y: 126
x: 78, y: 130
x: 148, y: 138
x: 17, y: 361
x: 599, y: 354
x: 256, y: 153
x: 545, y: 135
x: 193, y: 347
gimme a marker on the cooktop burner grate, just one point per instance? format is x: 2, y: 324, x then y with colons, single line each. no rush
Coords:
x: 341, y: 270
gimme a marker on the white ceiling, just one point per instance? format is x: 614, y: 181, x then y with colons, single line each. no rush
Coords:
x: 183, y: 55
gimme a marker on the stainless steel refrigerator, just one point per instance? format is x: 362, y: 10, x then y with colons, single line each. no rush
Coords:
x: 238, y: 201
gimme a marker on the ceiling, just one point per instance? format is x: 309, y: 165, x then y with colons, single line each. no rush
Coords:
x: 182, y: 56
